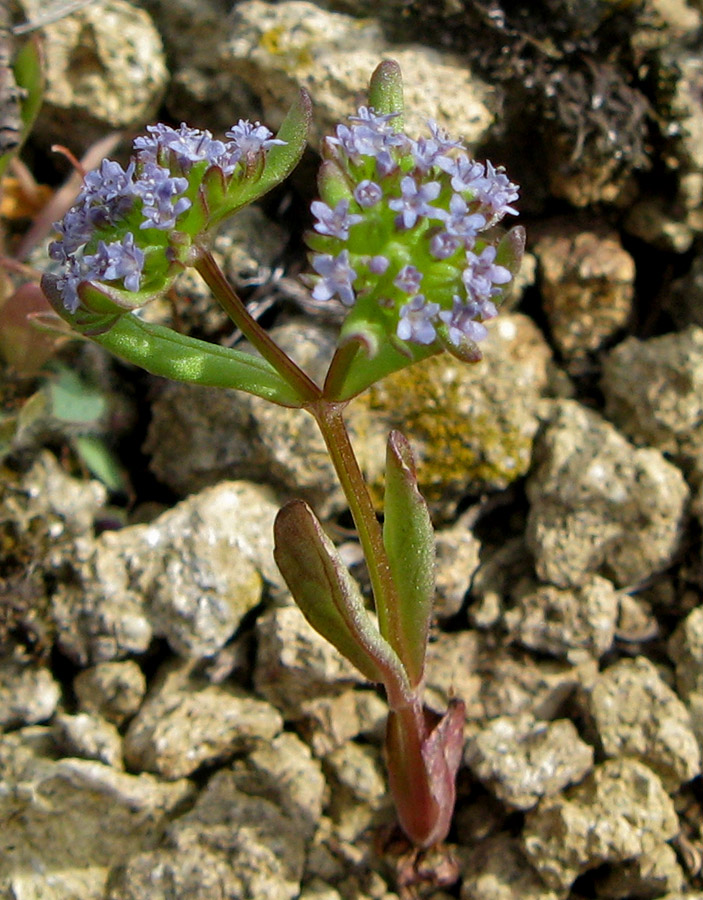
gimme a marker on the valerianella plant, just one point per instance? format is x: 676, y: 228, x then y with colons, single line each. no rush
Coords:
x: 405, y: 237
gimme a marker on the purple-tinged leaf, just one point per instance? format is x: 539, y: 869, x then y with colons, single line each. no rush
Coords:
x: 423, y: 753
x: 330, y: 599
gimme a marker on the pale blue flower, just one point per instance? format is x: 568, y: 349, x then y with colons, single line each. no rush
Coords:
x: 252, y: 138
x: 121, y: 260
x: 159, y: 190
x: 415, y: 202
x: 498, y: 192
x: 466, y: 174
x: 443, y: 244
x: 188, y: 145
x: 408, y: 280
x: 334, y: 222
x: 482, y: 276
x: 415, y: 321
x: 337, y: 277
x: 367, y: 193
x: 378, y: 264
x: 463, y: 320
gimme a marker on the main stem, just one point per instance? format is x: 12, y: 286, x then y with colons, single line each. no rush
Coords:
x: 328, y: 416
x: 228, y: 299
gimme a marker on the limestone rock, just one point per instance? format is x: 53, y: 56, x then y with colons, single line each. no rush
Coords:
x: 359, y: 795
x: 686, y: 651
x: 98, y: 613
x: 105, y: 69
x: 587, y: 280
x: 453, y: 669
x: 497, y: 870
x: 284, y: 770
x: 46, y: 497
x: 88, y: 737
x: 457, y: 552
x: 522, y: 760
x: 617, y: 814
x: 114, y: 690
x: 656, y: 873
x: 197, y: 570
x: 636, y: 714
x: 28, y: 694
x: 514, y: 683
x: 64, y: 823
x: 275, y: 49
x: 563, y: 622
x: 599, y: 505
x: 229, y: 844
x: 186, y: 723
x: 190, y: 576
x: 329, y: 722
x: 295, y: 664
x: 654, y: 394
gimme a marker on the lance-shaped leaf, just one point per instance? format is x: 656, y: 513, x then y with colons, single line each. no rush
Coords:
x: 330, y: 599
x: 167, y: 353
x: 409, y: 542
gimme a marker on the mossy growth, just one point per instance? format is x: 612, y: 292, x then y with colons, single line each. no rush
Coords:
x: 467, y: 435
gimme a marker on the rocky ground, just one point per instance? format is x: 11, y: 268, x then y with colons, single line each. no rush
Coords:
x: 171, y: 727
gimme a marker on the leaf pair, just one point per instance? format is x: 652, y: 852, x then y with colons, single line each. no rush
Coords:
x: 331, y: 600
x: 423, y: 749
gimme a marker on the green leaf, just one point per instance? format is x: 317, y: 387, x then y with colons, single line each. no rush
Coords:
x: 73, y: 401
x: 509, y: 253
x: 29, y: 76
x: 332, y: 183
x: 330, y: 599
x: 409, y: 542
x: 168, y: 354
x: 376, y: 356
x: 100, y: 461
x: 386, y: 91
x: 27, y: 71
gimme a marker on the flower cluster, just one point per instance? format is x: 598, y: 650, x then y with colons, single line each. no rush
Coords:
x: 401, y: 231
x: 128, y: 224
